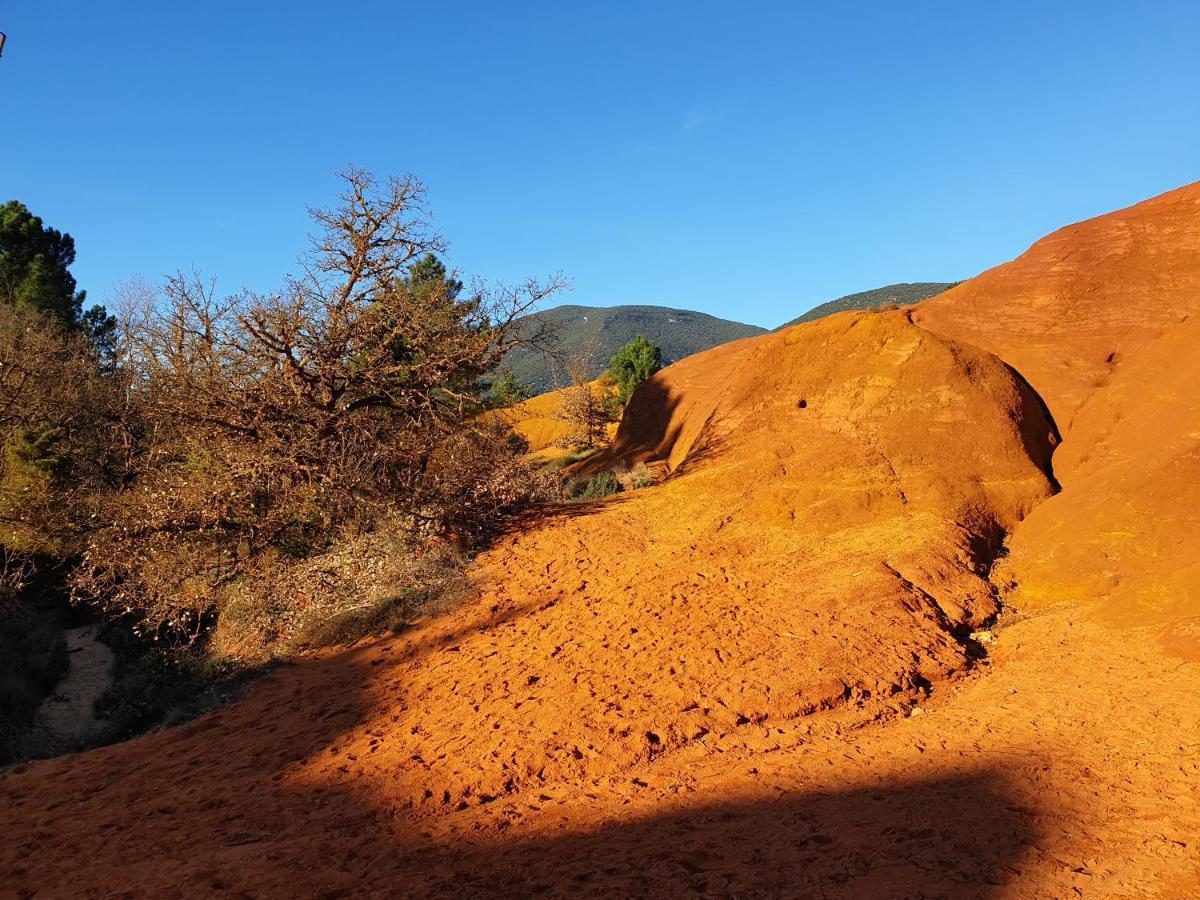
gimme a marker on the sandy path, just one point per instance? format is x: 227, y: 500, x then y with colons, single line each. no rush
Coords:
x: 67, y: 719
x: 1072, y: 768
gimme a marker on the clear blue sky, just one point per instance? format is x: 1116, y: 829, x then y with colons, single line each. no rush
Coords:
x: 748, y: 160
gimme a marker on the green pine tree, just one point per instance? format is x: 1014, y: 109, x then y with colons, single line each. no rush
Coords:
x: 35, y: 274
x: 429, y: 273
x: 633, y: 365
x: 508, y: 390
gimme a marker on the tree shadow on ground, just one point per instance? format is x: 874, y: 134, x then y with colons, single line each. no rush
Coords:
x: 646, y: 431
x: 282, y: 794
x: 548, y: 513
x: 962, y: 835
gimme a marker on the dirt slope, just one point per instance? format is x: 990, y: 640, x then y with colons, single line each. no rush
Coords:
x: 539, y: 420
x: 817, y: 548
x: 1068, y: 311
x: 806, y: 556
x: 1103, y: 319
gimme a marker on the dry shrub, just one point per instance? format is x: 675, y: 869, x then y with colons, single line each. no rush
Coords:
x: 364, y: 585
x: 638, y: 477
x: 586, y: 408
x: 288, y: 436
x: 60, y: 445
x: 61, y: 440
x: 16, y: 568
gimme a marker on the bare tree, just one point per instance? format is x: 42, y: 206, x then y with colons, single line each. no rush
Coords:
x: 278, y: 424
x: 583, y: 408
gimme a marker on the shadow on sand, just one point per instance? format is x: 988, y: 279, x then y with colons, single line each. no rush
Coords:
x: 958, y: 836
x: 273, y: 797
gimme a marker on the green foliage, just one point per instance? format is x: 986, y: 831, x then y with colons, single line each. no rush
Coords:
x: 101, y: 330
x: 593, y: 487
x: 429, y: 274
x: 596, y: 333
x: 633, y: 365
x: 34, y: 465
x: 34, y: 264
x: 35, y: 274
x: 613, y: 406
x: 507, y: 390
x: 33, y: 455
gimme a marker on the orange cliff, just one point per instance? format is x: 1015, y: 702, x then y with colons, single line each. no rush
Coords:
x: 1078, y: 303
x: 1103, y: 319
x: 765, y: 676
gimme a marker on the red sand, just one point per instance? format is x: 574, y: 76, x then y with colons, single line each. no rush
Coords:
x: 1102, y: 319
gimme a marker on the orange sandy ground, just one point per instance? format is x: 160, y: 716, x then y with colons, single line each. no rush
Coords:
x: 1071, y: 765
x: 757, y: 677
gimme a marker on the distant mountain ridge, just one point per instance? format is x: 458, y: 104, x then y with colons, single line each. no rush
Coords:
x: 901, y: 293
x: 600, y: 331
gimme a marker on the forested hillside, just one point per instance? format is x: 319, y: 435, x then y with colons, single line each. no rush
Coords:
x: 596, y: 333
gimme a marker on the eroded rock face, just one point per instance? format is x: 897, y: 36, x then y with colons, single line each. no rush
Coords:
x: 1126, y: 530
x: 1067, y: 311
x: 1103, y: 319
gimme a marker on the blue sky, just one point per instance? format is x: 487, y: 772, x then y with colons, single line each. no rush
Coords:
x: 748, y: 160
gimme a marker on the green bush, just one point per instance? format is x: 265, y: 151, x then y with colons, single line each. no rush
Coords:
x: 602, y: 484
x: 507, y: 390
